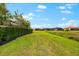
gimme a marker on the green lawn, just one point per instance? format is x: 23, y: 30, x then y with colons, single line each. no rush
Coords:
x: 40, y: 43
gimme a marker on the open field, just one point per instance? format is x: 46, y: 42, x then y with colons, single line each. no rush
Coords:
x: 40, y: 43
x: 74, y: 35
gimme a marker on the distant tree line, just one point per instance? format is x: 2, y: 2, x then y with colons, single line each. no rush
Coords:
x: 56, y: 29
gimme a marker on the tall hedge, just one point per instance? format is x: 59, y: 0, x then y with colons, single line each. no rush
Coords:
x: 10, y: 33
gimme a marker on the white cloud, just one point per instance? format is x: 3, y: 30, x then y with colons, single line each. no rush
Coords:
x: 30, y: 14
x: 68, y: 4
x: 64, y: 18
x: 67, y: 23
x: 66, y: 11
x: 69, y: 7
x: 41, y: 26
x: 66, y: 8
x: 64, y: 24
x: 71, y: 21
x: 62, y: 7
x: 41, y: 6
x: 25, y: 16
x: 28, y: 18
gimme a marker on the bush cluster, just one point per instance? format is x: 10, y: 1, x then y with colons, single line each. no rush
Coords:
x: 10, y: 33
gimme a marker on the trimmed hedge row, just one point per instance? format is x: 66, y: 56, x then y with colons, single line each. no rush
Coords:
x: 9, y: 33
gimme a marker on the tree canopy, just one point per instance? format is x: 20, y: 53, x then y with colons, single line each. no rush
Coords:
x: 6, y: 18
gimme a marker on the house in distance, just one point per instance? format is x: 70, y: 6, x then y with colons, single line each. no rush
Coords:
x: 71, y: 28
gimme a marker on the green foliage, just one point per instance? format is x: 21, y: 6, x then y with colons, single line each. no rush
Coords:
x: 9, y: 33
x: 3, y: 9
x: 20, y: 21
x: 6, y: 18
x: 3, y: 12
x: 10, y: 29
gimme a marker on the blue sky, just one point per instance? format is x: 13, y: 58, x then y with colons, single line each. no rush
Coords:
x: 48, y: 15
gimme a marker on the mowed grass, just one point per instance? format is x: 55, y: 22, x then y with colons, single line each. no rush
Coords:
x: 40, y: 43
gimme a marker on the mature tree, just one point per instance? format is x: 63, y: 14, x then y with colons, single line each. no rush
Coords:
x: 20, y: 21
x: 5, y: 18
x: 3, y: 12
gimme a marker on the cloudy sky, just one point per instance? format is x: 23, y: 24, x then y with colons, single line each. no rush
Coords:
x: 48, y: 14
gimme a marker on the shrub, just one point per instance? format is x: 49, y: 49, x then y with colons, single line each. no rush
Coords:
x: 10, y: 33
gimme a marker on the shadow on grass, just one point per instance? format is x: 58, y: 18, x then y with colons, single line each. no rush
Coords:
x: 5, y: 42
